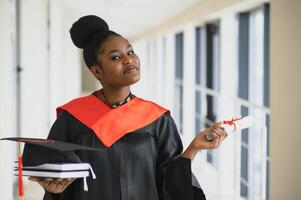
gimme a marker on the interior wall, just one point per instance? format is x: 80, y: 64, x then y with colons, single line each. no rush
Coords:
x: 285, y: 99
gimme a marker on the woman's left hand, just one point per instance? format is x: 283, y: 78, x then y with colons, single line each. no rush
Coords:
x: 215, y: 131
x: 200, y: 141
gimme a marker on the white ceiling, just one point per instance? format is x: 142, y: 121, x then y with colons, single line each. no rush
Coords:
x: 130, y: 17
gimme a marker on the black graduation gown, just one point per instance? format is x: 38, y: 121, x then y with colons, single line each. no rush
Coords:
x: 142, y: 165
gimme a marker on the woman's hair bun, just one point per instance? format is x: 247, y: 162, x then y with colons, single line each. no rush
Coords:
x: 85, y: 27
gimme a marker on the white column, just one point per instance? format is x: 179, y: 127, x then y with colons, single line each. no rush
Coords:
x: 34, y: 76
x: 8, y: 151
x: 189, y: 84
x: 228, y: 85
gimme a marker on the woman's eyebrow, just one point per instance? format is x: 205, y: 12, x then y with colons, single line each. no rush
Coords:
x: 117, y: 50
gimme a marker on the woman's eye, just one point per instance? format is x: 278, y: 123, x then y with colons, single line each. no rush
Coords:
x: 131, y: 53
x: 115, y: 57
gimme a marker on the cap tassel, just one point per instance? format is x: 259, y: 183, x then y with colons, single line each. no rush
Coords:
x: 20, y: 175
x: 20, y: 163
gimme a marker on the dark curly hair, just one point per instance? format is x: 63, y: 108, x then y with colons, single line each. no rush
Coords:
x: 89, y: 33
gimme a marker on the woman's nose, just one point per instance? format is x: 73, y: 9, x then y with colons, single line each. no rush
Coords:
x: 128, y: 60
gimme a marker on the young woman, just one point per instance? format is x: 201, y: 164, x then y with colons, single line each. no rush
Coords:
x: 142, y: 157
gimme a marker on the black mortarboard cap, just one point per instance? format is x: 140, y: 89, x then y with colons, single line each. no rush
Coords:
x: 40, y: 151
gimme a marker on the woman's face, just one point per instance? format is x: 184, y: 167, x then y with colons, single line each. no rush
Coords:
x: 118, y: 65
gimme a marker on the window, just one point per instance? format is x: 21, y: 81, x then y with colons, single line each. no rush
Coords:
x: 253, y: 92
x: 179, y: 55
x: 212, y: 79
x: 266, y: 97
x: 207, y: 79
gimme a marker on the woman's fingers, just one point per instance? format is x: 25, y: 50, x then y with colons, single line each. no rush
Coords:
x: 55, y: 185
x: 218, y: 133
x: 68, y: 182
x: 61, y: 186
x: 210, y: 138
x: 217, y: 124
x: 45, y: 184
x: 34, y: 179
x: 215, y: 143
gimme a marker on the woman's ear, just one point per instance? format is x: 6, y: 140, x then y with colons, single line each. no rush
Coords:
x: 97, y: 71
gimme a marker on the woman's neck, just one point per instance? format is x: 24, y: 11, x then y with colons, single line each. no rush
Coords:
x: 113, y: 95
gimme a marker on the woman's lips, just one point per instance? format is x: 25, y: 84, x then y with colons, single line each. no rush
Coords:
x: 131, y: 69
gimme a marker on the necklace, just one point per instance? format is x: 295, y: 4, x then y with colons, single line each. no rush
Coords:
x: 120, y: 103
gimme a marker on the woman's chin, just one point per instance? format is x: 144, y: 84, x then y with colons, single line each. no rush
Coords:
x: 135, y: 78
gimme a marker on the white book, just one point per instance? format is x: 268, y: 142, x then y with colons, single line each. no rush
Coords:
x: 52, y: 174
x: 60, y: 167
x: 60, y: 170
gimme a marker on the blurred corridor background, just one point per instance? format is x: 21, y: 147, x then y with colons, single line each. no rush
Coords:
x: 205, y: 60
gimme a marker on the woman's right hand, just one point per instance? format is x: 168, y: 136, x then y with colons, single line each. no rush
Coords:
x: 53, y: 185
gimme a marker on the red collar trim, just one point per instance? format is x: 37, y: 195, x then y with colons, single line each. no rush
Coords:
x: 109, y: 125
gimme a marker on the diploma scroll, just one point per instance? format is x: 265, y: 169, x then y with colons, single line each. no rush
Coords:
x: 236, y: 124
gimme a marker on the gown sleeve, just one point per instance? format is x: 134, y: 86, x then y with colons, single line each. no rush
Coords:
x: 175, y: 180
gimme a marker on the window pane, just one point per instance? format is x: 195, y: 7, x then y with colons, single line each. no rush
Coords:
x: 211, y: 115
x: 244, y: 163
x: 266, y: 56
x: 179, y: 55
x: 245, y: 132
x: 268, y: 181
x: 243, y: 190
x: 209, y: 156
x: 268, y: 134
x: 212, y: 50
x: 243, y: 56
x: 198, y: 55
x: 197, y: 125
x: 179, y: 105
x: 198, y: 102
